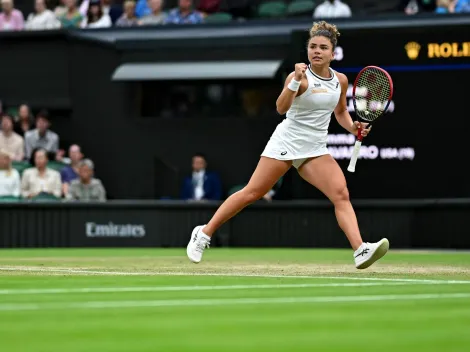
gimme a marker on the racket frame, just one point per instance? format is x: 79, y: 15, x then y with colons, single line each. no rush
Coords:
x: 358, y: 143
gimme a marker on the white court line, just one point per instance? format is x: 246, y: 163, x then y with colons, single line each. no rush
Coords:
x: 197, y: 288
x: 156, y: 273
x: 225, y: 302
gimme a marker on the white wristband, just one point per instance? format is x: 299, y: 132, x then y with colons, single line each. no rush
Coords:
x: 294, y: 85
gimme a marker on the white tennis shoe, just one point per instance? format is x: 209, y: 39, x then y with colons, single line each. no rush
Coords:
x: 197, y: 244
x: 368, y: 253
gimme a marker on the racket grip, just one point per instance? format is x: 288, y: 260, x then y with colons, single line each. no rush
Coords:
x: 354, y: 156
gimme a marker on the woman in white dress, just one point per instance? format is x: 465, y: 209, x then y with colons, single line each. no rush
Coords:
x: 311, y: 94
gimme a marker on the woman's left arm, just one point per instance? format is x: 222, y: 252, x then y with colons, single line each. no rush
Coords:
x: 341, y: 111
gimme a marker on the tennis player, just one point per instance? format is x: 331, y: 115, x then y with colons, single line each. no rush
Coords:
x: 311, y: 94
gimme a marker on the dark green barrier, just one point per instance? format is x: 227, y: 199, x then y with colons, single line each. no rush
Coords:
x: 410, y: 224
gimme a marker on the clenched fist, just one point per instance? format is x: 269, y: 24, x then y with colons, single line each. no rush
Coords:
x: 300, y: 71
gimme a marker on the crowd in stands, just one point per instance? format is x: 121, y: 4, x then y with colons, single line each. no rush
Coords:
x: 127, y: 13
x: 32, y: 167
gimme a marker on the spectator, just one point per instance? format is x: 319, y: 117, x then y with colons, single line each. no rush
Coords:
x: 208, y: 7
x: 24, y: 121
x: 61, y: 9
x: 40, y: 179
x: 71, y: 17
x: 202, y: 185
x: 86, y: 187
x: 412, y: 7
x: 42, y: 19
x: 184, y: 14
x: 70, y: 172
x: 332, y: 8
x: 462, y: 6
x: 41, y: 137
x: 114, y: 11
x: 445, y: 6
x: 9, y: 177
x: 9, y: 140
x: 11, y: 19
x: 128, y: 18
x: 95, y: 18
x: 157, y: 16
x: 142, y: 8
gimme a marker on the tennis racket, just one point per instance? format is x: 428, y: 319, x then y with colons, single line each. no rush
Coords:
x: 372, y: 93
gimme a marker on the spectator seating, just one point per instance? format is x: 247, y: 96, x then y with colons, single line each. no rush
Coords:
x: 9, y: 199
x: 300, y: 8
x: 20, y: 166
x: 56, y: 165
x: 268, y: 9
x: 272, y: 9
x: 219, y: 17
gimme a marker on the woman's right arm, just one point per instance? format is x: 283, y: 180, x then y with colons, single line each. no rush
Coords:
x: 295, y: 84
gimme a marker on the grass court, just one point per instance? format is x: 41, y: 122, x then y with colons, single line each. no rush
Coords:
x: 98, y: 300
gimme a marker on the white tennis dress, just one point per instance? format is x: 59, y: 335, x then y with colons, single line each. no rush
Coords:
x: 303, y: 133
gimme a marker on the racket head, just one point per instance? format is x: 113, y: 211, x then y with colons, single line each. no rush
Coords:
x: 372, y: 93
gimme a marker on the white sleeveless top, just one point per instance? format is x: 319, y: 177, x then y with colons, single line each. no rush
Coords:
x: 314, y: 107
x: 304, y: 132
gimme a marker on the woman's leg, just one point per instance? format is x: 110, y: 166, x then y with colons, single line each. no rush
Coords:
x: 325, y: 174
x: 266, y: 175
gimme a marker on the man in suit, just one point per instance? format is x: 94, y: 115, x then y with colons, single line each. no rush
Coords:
x: 202, y: 184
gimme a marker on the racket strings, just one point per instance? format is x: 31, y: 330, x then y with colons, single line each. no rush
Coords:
x: 372, y: 93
